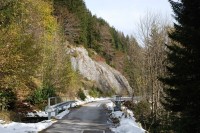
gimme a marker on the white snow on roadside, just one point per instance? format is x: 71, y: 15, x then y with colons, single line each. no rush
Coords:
x: 117, y: 114
x: 110, y: 106
x: 37, y: 113
x: 127, y: 124
x: 15, y: 127
x: 87, y: 100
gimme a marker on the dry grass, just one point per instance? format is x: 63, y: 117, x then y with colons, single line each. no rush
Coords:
x: 9, y: 116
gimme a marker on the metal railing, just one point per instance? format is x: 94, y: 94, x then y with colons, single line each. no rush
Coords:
x: 56, y: 107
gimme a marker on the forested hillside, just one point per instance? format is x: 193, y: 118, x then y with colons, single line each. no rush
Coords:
x: 80, y: 27
x: 34, y: 36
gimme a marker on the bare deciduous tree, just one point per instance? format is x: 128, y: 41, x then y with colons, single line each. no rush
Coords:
x: 153, y: 37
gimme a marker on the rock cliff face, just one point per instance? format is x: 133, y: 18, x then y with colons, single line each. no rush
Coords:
x: 106, y: 77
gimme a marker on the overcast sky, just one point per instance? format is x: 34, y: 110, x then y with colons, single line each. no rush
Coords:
x: 125, y: 14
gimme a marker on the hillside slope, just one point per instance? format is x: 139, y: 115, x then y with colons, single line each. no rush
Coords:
x: 106, y: 78
x: 81, y: 28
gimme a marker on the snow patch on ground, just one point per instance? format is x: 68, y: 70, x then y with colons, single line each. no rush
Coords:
x: 117, y: 114
x: 15, y: 127
x: 127, y: 121
x: 128, y: 125
x: 37, y: 113
x: 88, y: 100
x: 110, y: 106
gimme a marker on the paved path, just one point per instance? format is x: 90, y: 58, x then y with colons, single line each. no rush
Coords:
x: 90, y: 118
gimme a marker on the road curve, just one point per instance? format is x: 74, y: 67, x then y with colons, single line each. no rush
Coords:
x: 90, y: 118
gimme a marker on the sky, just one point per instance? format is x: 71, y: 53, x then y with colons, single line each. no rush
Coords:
x: 124, y: 15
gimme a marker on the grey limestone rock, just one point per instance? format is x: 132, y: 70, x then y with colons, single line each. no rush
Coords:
x: 106, y: 77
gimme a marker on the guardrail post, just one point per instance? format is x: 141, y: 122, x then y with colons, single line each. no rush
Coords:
x: 49, y: 113
x: 118, y: 101
x: 56, y: 111
x: 55, y: 100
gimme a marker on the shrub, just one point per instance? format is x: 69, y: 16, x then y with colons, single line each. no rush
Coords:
x: 142, y: 110
x: 8, y: 116
x: 7, y: 99
x: 95, y: 92
x: 41, y: 95
x: 109, y: 93
x: 81, y: 94
x: 129, y: 104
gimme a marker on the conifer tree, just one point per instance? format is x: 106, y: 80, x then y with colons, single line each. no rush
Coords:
x: 182, y: 92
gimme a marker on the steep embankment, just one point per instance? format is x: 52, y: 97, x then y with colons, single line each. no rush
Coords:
x: 106, y: 78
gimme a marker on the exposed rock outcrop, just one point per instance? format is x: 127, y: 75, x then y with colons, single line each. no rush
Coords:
x: 106, y: 77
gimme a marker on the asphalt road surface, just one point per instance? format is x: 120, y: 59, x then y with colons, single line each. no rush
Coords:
x: 90, y: 118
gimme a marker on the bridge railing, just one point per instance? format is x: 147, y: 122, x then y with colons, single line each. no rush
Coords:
x: 118, y: 100
x: 54, y: 106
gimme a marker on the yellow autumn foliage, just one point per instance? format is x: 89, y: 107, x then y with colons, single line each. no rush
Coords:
x: 27, y: 27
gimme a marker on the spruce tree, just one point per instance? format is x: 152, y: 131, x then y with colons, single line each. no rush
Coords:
x: 182, y: 92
